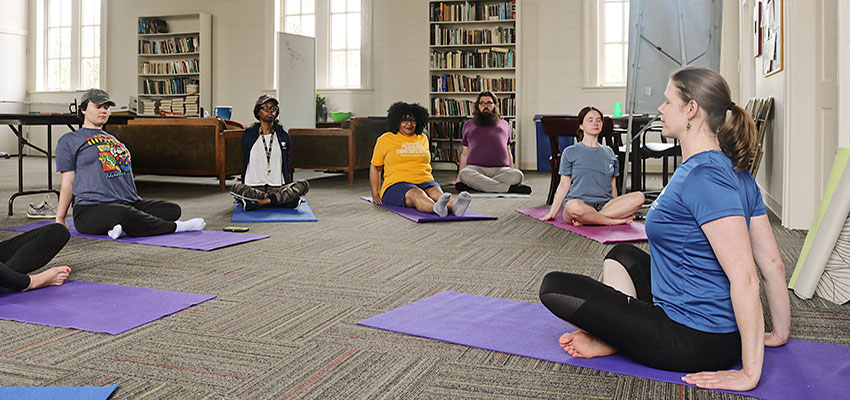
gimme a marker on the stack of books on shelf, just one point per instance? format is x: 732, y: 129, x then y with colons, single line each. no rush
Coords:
x: 451, y: 107
x: 177, y: 105
x: 473, y: 11
x: 174, y: 67
x: 446, y: 129
x: 148, y: 107
x: 469, y: 84
x: 165, y: 105
x: 494, y: 57
x: 170, y: 86
x: 191, y: 105
x: 458, y: 36
x: 177, y: 45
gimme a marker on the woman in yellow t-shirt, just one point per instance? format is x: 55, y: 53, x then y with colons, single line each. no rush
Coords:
x: 402, y: 156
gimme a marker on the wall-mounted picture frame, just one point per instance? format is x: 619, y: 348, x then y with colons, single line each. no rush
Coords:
x: 757, y: 28
x: 773, y: 42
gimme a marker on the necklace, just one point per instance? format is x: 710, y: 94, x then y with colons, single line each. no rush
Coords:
x: 268, y: 150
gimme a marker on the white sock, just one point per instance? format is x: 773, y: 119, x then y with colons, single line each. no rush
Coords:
x: 461, y: 204
x: 116, y: 232
x: 441, y: 206
x: 194, y: 224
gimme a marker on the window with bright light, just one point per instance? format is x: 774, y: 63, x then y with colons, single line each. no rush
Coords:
x: 300, y: 17
x: 615, y: 42
x: 68, y: 44
x: 341, y: 36
x: 606, y: 43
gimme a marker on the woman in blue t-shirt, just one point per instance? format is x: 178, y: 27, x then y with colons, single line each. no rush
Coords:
x: 97, y: 174
x: 692, y: 304
x: 588, y: 188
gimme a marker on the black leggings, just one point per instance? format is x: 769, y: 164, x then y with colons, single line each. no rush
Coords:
x: 28, y: 252
x: 636, y: 327
x: 142, y: 218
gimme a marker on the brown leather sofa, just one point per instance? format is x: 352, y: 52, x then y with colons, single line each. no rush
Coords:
x: 183, y: 146
x: 348, y: 148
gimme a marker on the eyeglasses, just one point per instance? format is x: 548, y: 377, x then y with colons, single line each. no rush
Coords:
x: 486, y: 103
x: 269, y: 108
x: 408, y: 121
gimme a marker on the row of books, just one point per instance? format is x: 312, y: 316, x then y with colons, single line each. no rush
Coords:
x: 441, y: 107
x: 456, y: 36
x: 463, y: 83
x: 170, y: 86
x: 179, y: 105
x: 446, y: 129
x: 190, y: 66
x: 445, y: 154
x: 473, y: 11
x: 152, y: 25
x: 176, y: 45
x: 494, y: 57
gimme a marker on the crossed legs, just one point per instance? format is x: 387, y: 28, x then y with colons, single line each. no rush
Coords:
x: 619, y: 210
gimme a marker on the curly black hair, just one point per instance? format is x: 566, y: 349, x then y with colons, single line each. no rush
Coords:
x: 399, y: 110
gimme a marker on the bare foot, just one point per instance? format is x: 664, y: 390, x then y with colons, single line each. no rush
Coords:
x: 577, y: 222
x: 621, y: 221
x: 52, y: 277
x: 581, y: 344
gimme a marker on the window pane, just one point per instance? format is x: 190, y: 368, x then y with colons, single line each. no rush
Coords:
x: 53, y: 74
x: 354, y: 30
x: 337, y: 6
x: 293, y: 25
x: 354, y: 5
x: 353, y: 68
x: 54, y: 43
x: 614, y: 63
x: 65, y: 18
x: 91, y: 73
x: 53, y: 13
x: 65, y: 81
x: 308, y: 25
x: 90, y: 12
x: 96, y: 40
x: 308, y: 6
x: 338, y: 69
x: 65, y: 37
x: 87, y: 41
x: 613, y: 22
x: 293, y: 7
x: 338, y: 31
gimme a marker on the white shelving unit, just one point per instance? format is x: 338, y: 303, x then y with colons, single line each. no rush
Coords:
x: 176, y: 64
x: 474, y: 46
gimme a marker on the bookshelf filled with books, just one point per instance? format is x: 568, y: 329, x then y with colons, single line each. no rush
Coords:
x: 474, y: 47
x: 174, y: 64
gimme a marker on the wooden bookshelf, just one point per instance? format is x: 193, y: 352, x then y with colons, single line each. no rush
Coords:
x: 474, y: 47
x: 174, y: 65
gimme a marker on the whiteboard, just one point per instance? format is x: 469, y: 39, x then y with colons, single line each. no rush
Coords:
x: 665, y: 35
x: 296, y: 77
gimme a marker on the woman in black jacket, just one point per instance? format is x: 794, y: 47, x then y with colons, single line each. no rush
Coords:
x: 266, y: 177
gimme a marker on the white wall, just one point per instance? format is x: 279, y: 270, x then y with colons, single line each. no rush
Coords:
x: 13, y: 72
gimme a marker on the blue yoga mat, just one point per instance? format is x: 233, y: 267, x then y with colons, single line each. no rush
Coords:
x: 57, y: 392
x: 798, y: 370
x: 274, y: 214
x: 420, y: 217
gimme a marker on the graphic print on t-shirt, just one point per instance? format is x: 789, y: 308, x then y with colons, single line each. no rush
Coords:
x: 113, y: 156
x: 411, y: 149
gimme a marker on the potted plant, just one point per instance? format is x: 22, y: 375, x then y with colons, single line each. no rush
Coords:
x: 321, y: 108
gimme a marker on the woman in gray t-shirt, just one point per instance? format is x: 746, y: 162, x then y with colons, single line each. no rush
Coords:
x: 588, y: 190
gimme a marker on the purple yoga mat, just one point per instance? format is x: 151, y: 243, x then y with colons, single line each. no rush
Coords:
x: 194, y: 240
x: 634, y: 232
x: 418, y: 216
x: 798, y: 370
x: 94, y: 307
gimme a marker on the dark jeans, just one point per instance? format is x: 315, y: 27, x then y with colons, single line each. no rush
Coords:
x: 636, y: 327
x: 142, y: 218
x: 28, y: 252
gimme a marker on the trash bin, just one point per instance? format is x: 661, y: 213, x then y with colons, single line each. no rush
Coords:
x: 543, y: 150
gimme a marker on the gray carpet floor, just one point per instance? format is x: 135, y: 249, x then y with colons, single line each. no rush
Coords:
x: 283, y: 324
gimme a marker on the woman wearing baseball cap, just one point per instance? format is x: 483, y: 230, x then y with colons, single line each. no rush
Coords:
x: 266, y: 177
x: 96, y: 170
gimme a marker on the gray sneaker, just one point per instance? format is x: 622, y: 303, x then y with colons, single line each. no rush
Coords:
x: 42, y: 210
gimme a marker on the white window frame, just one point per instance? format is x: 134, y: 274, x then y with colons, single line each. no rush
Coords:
x: 39, y: 41
x: 323, y: 47
x: 594, y: 33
